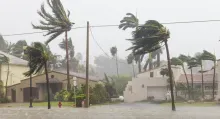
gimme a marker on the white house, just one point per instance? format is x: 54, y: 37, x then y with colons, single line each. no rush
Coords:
x: 152, y: 84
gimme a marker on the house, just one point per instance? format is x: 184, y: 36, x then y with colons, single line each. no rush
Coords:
x: 150, y: 84
x: 17, y: 67
x: 57, y: 81
x: 197, y: 83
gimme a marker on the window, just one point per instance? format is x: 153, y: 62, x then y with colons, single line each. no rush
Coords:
x: 151, y: 74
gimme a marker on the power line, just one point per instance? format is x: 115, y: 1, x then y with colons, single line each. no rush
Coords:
x: 101, y: 26
x: 100, y: 46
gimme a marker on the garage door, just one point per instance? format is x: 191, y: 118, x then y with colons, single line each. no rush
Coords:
x: 158, y: 93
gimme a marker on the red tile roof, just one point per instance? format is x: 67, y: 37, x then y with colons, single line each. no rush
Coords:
x: 197, y: 78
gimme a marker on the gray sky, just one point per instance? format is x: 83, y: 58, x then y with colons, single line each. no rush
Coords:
x: 17, y: 15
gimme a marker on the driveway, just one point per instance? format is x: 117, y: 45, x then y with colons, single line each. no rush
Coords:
x: 116, y: 111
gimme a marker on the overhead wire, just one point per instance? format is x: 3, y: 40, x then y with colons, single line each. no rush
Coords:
x: 114, y: 25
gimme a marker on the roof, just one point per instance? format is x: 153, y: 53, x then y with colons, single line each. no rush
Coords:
x: 51, y: 80
x: 14, y: 60
x: 79, y: 75
x: 197, y: 78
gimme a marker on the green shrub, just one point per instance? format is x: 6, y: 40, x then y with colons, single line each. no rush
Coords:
x: 63, y: 95
x: 79, y: 99
x: 5, y: 100
x: 99, y: 95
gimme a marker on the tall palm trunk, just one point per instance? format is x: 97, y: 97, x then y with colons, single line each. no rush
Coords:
x: 170, y: 75
x: 202, y: 81
x: 133, y: 69
x: 187, y: 81
x: 158, y: 59
x: 67, y: 63
x: 146, y: 64
x: 213, y: 84
x: 48, y: 86
x: 6, y: 86
x: 139, y: 65
x: 192, y: 92
x: 116, y: 57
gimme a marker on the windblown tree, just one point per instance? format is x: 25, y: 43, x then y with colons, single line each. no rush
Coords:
x: 131, y: 21
x: 38, y: 57
x: 176, y: 61
x: 209, y: 56
x: 5, y: 60
x: 114, y: 51
x: 17, y: 50
x: 73, y: 61
x: 149, y: 38
x: 192, y: 63
x: 56, y: 24
x: 2, y: 44
x: 130, y: 59
x: 9, y: 47
x: 199, y: 58
x: 110, y: 86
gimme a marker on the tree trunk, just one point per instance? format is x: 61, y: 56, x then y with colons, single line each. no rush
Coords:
x: 170, y: 75
x: 213, y: 84
x: 139, y: 65
x: 192, y: 91
x: 6, y: 85
x: 158, y: 60
x: 187, y: 82
x: 116, y: 57
x: 48, y: 86
x: 133, y: 69
x: 67, y: 63
x: 202, y: 81
x: 146, y: 64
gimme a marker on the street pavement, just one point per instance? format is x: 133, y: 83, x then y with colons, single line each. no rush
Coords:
x: 116, y: 111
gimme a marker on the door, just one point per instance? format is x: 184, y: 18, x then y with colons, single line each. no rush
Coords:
x: 158, y: 92
x: 13, y: 95
x: 26, y: 93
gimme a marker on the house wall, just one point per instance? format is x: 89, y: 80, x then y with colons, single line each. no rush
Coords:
x: 35, y: 80
x: 15, y: 73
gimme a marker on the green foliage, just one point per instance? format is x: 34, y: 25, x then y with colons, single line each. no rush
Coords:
x: 184, y: 58
x: 79, y: 99
x: 17, y: 49
x: 63, y: 95
x: 37, y: 57
x: 130, y: 58
x: 70, y: 47
x: 99, y: 95
x: 55, y: 23
x: 130, y: 21
x: 5, y: 100
x: 176, y: 61
x: 121, y: 82
x: 2, y: 44
x: 1, y: 89
x: 110, y: 86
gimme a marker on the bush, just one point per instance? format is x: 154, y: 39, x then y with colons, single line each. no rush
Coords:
x: 63, y: 95
x: 99, y: 95
x: 79, y: 99
x: 5, y: 100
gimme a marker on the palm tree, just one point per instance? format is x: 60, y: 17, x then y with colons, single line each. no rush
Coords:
x: 130, y: 59
x: 38, y: 63
x: 199, y: 57
x: 192, y: 63
x: 55, y: 24
x: 4, y: 59
x: 148, y: 38
x: 209, y: 56
x: 114, y: 51
x: 176, y: 61
x: 131, y: 21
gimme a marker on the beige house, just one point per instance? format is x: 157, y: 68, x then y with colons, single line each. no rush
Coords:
x: 17, y: 67
x: 58, y: 80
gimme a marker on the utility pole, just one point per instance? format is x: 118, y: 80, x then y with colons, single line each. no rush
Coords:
x: 87, y: 68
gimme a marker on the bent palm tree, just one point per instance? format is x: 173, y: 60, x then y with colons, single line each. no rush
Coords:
x: 55, y: 25
x: 38, y: 63
x: 131, y: 21
x: 209, y: 56
x: 176, y: 61
x: 148, y: 38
